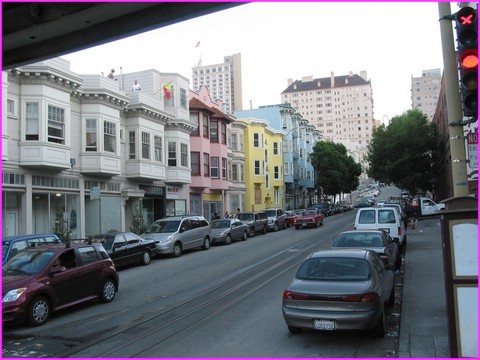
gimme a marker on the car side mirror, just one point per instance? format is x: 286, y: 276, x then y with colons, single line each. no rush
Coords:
x: 58, y: 269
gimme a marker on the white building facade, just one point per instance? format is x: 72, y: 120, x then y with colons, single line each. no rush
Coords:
x: 425, y: 91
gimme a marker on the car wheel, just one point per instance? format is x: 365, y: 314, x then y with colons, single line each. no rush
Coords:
x: 206, y: 244
x: 398, y: 262
x: 294, y: 330
x: 228, y: 240
x: 275, y: 227
x: 251, y: 232
x: 146, y: 258
x: 39, y: 311
x: 285, y: 226
x: 265, y: 229
x: 391, y: 299
x: 244, y: 236
x: 177, y: 249
x: 107, y: 291
x: 379, y: 329
x: 321, y: 224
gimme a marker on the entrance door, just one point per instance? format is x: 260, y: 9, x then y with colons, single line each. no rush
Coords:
x: 10, y: 224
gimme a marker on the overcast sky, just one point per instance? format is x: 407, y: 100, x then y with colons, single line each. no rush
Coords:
x: 278, y: 41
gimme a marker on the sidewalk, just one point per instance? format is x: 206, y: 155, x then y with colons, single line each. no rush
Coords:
x: 424, y: 324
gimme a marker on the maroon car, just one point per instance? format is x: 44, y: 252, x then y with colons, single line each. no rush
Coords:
x: 291, y: 215
x: 41, y: 280
x: 309, y: 218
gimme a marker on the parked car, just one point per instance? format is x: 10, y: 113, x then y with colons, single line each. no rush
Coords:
x: 257, y: 221
x: 324, y: 207
x: 401, y: 211
x: 290, y: 217
x: 126, y: 248
x: 173, y: 235
x: 228, y: 230
x: 309, y: 218
x: 41, y: 280
x: 276, y: 219
x: 12, y: 245
x: 375, y: 240
x: 343, y: 289
x: 383, y: 218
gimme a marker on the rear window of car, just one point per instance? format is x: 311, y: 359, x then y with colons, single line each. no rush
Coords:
x: 88, y: 254
x: 332, y: 268
x: 367, y: 217
x: 386, y: 216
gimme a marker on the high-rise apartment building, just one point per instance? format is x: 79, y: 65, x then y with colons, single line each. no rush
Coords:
x: 425, y: 91
x: 224, y: 81
x: 340, y: 107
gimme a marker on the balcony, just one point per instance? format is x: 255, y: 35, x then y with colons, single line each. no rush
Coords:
x: 145, y: 170
x: 44, y: 155
x: 178, y: 176
x: 100, y: 164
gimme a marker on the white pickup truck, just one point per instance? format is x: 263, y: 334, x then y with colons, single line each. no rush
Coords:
x: 428, y: 206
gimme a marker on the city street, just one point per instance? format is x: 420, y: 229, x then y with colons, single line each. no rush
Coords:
x: 224, y: 302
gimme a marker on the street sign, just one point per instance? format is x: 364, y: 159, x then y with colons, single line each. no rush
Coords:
x: 472, y: 147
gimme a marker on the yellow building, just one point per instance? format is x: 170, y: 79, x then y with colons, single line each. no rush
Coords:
x: 263, y: 165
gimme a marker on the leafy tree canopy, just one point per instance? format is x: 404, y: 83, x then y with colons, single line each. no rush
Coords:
x: 405, y: 152
x: 336, y: 171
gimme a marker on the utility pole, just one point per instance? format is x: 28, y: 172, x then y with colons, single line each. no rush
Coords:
x: 454, y: 107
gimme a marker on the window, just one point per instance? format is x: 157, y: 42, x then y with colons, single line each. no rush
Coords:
x: 194, y: 120
x: 214, y: 131
x: 205, y: 126
x: 235, y: 172
x: 275, y: 148
x: 276, y: 172
x: 195, y: 163
x: 214, y: 167
x: 183, y: 98
x: 109, y: 136
x: 91, y: 135
x: 172, y: 154
x: 158, y: 148
x: 256, y: 141
x: 234, y: 145
x: 224, y: 132
x: 10, y: 107
x: 240, y: 142
x: 206, y: 164
x: 131, y: 145
x: 224, y: 168
x: 56, y: 124
x: 145, y: 145
x: 242, y: 172
x: 257, y: 167
x: 184, y: 155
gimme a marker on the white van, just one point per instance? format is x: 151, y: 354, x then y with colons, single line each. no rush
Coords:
x: 387, y: 219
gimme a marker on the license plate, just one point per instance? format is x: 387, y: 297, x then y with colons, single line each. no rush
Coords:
x: 304, y: 225
x: 324, y: 324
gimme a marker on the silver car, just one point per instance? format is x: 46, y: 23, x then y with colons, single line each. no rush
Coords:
x: 228, y: 230
x: 344, y: 289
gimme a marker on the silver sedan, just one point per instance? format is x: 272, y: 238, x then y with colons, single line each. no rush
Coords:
x: 228, y: 230
x: 344, y: 289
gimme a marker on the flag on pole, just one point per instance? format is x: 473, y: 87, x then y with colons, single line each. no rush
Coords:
x: 167, y: 90
x: 198, y: 44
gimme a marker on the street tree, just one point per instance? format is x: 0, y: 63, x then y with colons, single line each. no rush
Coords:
x: 336, y: 171
x: 405, y: 152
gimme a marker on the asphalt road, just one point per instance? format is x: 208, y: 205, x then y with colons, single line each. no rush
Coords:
x: 224, y: 302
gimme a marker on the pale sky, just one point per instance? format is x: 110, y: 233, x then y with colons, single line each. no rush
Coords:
x: 278, y: 41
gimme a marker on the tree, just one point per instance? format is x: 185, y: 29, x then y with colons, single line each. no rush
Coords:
x: 336, y: 171
x: 405, y: 152
x: 139, y: 224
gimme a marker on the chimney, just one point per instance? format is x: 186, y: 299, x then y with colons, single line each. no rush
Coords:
x: 290, y: 82
x: 332, y: 80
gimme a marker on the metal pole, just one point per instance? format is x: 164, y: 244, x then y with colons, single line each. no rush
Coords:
x: 454, y: 107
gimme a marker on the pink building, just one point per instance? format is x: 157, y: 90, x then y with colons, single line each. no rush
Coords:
x: 209, y: 155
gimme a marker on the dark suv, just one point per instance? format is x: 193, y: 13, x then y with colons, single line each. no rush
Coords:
x: 257, y: 221
x: 42, y: 279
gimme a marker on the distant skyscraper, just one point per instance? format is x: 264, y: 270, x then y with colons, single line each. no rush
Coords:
x: 224, y: 81
x: 425, y: 91
x: 340, y: 107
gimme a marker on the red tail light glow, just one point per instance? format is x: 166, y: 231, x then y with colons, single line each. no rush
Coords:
x: 399, y: 231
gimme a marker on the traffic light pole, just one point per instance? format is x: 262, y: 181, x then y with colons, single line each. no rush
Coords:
x: 454, y: 104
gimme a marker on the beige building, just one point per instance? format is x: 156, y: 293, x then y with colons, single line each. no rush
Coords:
x: 223, y: 80
x: 425, y: 91
x: 340, y: 107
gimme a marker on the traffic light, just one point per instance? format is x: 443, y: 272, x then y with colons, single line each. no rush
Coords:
x: 467, y: 47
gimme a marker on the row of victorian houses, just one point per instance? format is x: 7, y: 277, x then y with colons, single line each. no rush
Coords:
x: 86, y: 153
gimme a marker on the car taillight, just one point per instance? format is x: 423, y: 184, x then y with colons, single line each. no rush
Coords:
x: 369, y: 297
x: 399, y: 231
x: 294, y: 296
x: 384, y: 258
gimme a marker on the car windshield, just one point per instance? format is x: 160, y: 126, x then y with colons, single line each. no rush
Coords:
x: 309, y: 213
x: 271, y: 213
x: 334, y: 268
x: 220, y: 224
x: 163, y: 226
x: 247, y: 217
x: 28, y: 263
x: 5, y: 246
